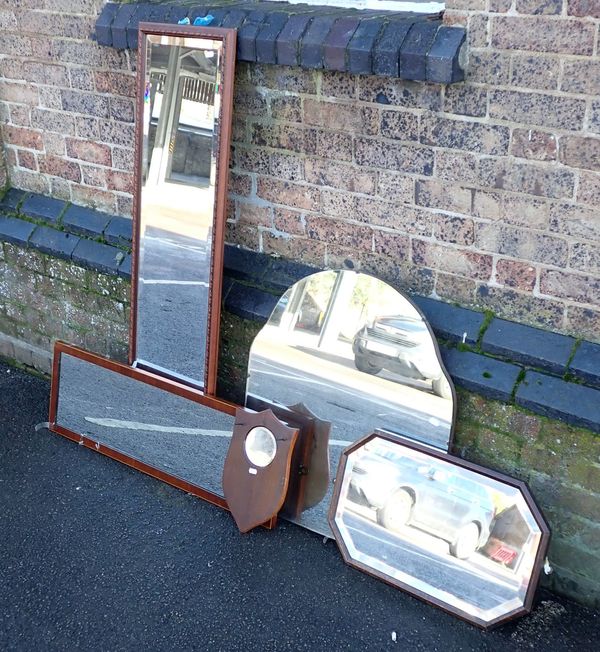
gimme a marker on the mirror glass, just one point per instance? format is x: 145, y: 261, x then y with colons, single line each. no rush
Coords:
x: 358, y: 354
x: 260, y: 446
x: 467, y: 541
x: 170, y: 433
x: 179, y: 149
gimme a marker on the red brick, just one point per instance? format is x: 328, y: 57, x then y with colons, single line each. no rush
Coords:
x: 453, y: 165
x: 464, y: 135
x: 583, y: 8
x: 537, y: 109
x: 489, y: 67
x: 585, y: 257
x: 15, y: 44
x: 535, y: 145
x: 580, y: 152
x: 535, y: 71
x: 119, y: 181
x: 296, y: 139
x: 19, y: 93
x: 89, y: 151
x: 249, y: 101
x: 588, y: 191
x: 349, y: 117
x: 521, y: 243
x: 581, y: 76
x: 391, y: 244
x: 453, y: 198
x: 584, y: 322
x: 521, y: 307
x: 397, y: 92
x: 58, y: 167
x: 539, y: 7
x: 576, y: 287
x: 294, y: 80
x: 22, y: 137
x: 452, y: 260
x: 336, y: 84
x: 20, y: 115
x: 499, y: 6
x: 56, y: 121
x: 286, y: 166
x: 287, y: 108
x: 95, y: 198
x: 339, y: 175
x: 115, y: 83
x: 87, y: 128
x: 288, y: 221
x: 462, y: 99
x: 521, y: 210
x: 253, y: 160
x: 515, y: 274
x: 400, y: 125
x: 310, y: 252
x: 394, y: 156
x: 574, y: 220
x: 54, y: 144
x: 542, y: 34
x: 242, y: 235
x: 343, y: 234
x: 451, y: 229
x: 93, y: 176
x: 240, y: 184
x: 33, y: 181
x: 26, y: 159
x: 290, y: 194
x: 455, y: 288
x: 332, y: 145
x: 81, y: 79
x: 396, y: 187
x: 253, y: 214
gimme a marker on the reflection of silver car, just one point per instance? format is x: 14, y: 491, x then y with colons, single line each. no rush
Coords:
x: 401, y: 344
x: 442, y: 502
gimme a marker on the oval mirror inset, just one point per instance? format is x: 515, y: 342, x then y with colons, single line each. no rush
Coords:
x: 260, y: 446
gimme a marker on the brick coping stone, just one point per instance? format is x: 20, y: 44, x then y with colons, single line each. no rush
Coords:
x: 367, y: 42
x: 254, y: 283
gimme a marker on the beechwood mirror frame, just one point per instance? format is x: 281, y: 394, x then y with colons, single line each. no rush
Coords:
x: 438, y: 454
x: 228, y: 38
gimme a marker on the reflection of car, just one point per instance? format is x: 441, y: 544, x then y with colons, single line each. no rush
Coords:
x: 401, y: 344
x: 442, y: 502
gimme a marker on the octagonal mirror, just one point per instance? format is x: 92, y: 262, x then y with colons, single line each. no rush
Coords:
x: 358, y: 354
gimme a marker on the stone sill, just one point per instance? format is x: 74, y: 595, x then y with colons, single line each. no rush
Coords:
x: 547, y: 373
x: 405, y: 45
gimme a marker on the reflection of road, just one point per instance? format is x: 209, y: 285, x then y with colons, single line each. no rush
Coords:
x: 161, y: 429
x: 173, y: 302
x: 412, y: 556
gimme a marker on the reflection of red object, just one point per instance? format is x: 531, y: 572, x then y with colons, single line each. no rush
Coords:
x: 501, y: 553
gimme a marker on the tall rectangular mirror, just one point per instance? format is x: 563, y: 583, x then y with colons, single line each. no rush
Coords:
x: 185, y: 89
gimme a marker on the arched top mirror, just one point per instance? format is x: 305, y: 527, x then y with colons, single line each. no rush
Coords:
x: 359, y: 354
x: 185, y: 83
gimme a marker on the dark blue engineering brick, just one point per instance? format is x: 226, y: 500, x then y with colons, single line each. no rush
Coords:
x: 250, y: 303
x: 282, y: 274
x: 443, y: 65
x: 125, y: 267
x: 287, y: 45
x: 15, y: 230
x: 334, y: 47
x: 244, y: 264
x: 234, y: 19
x: 361, y: 44
x: 120, y: 24
x: 413, y: 54
x: 43, y: 208
x: 451, y: 322
x: 143, y: 13
x: 267, y: 35
x: 104, y: 22
x: 98, y: 256
x: 11, y: 199
x: 311, y: 45
x: 477, y: 373
x: 246, y: 36
x: 586, y: 363
x: 528, y: 345
x: 556, y: 398
x: 386, y: 54
x: 218, y: 14
x: 177, y: 13
x: 119, y: 232
x: 53, y: 242
x: 85, y: 221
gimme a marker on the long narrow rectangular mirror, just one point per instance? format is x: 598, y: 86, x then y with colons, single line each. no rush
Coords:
x: 185, y: 91
x: 156, y: 425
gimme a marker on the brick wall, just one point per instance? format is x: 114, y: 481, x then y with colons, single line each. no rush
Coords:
x: 485, y: 193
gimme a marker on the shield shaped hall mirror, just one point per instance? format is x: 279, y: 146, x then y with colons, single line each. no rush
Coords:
x: 185, y: 83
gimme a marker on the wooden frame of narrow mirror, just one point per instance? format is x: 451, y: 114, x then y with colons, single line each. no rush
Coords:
x: 94, y: 387
x: 464, y: 538
x: 183, y: 132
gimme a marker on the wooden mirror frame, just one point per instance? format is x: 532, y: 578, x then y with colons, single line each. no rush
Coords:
x: 153, y: 380
x: 228, y: 38
x: 436, y: 454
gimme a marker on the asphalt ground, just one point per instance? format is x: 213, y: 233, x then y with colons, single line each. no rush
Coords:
x: 96, y: 556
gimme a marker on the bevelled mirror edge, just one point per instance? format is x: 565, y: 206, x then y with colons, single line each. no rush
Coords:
x: 165, y: 384
x: 520, y: 486
x: 228, y: 38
